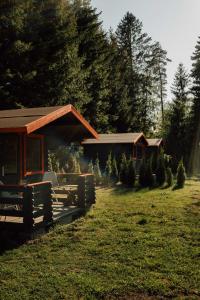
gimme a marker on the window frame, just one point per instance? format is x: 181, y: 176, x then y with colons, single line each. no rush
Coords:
x: 41, y: 139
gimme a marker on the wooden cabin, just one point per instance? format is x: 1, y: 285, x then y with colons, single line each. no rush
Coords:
x: 132, y: 144
x: 154, y: 147
x: 26, y: 135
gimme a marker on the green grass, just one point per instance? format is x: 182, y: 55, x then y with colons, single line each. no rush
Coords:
x: 139, y: 245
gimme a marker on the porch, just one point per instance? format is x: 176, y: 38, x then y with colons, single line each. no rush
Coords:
x: 28, y: 207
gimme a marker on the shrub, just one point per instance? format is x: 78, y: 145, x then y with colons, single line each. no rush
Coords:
x: 181, y: 175
x: 142, y: 174
x: 53, y: 164
x: 131, y: 173
x: 97, y: 172
x: 115, y: 173
x: 160, y: 171
x: 123, y: 169
x: 149, y: 174
x: 90, y: 167
x: 169, y: 177
x: 108, y: 168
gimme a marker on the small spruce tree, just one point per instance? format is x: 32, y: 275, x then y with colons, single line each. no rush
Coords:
x: 160, y: 171
x: 169, y: 177
x: 123, y: 169
x: 108, y: 168
x: 115, y: 173
x: 90, y: 167
x: 131, y: 173
x: 97, y: 172
x: 181, y: 175
x: 142, y: 174
x: 149, y: 174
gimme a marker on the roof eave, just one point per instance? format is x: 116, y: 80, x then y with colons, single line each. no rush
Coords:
x: 45, y: 120
x: 14, y: 130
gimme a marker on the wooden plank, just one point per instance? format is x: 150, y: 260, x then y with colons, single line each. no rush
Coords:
x: 11, y: 212
x: 12, y: 188
x: 7, y: 200
x: 38, y: 213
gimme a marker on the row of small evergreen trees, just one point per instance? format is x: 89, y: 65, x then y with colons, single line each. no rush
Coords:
x: 124, y: 171
x: 153, y: 171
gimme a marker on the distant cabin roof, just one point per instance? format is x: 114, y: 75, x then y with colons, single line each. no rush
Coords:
x: 116, y: 138
x: 28, y: 120
x: 154, y: 142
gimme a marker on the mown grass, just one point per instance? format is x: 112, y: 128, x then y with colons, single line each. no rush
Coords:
x: 142, y: 245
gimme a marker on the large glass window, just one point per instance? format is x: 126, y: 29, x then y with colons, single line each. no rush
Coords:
x: 8, y: 154
x: 34, y: 154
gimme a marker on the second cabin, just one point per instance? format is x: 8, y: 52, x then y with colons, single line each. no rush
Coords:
x: 132, y: 144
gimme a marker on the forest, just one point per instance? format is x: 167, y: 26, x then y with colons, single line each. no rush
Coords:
x: 55, y: 52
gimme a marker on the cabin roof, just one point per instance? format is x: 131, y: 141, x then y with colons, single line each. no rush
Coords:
x: 154, y: 142
x: 28, y: 120
x: 116, y: 138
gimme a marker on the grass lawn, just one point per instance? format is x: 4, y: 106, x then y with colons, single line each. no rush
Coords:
x: 142, y: 245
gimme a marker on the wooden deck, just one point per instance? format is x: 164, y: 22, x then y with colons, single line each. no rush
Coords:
x: 61, y: 214
x: 34, y: 206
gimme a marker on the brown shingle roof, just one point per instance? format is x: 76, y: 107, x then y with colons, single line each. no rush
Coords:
x: 154, y: 142
x: 114, y: 138
x: 30, y: 119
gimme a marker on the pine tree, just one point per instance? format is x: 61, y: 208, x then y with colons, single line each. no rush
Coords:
x: 161, y: 172
x: 13, y: 51
x: 194, y: 124
x: 176, y: 138
x: 120, y: 104
x: 169, y: 177
x: 142, y: 174
x: 97, y: 172
x: 181, y: 175
x: 149, y: 174
x: 90, y: 167
x: 123, y: 169
x: 159, y: 63
x: 108, y: 168
x: 134, y: 48
x: 115, y: 173
x: 131, y: 173
x: 94, y: 49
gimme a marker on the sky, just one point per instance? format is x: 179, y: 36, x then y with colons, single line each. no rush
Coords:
x: 173, y: 23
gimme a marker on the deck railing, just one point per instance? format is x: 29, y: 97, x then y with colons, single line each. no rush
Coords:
x: 27, y: 206
x: 85, y: 187
x: 30, y: 206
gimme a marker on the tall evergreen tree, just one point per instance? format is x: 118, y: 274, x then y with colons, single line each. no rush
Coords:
x: 133, y: 45
x: 51, y: 30
x: 160, y: 61
x: 94, y: 49
x: 13, y: 50
x: 176, y: 139
x: 194, y: 127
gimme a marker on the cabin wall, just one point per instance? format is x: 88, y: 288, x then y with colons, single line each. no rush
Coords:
x: 92, y: 151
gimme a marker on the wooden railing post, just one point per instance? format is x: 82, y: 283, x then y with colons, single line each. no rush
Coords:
x: 81, y: 192
x: 90, y: 188
x: 86, y: 190
x: 48, y: 208
x: 28, y: 207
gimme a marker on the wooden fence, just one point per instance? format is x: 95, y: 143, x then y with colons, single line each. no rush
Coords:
x: 26, y: 206
x: 83, y: 185
x: 86, y: 190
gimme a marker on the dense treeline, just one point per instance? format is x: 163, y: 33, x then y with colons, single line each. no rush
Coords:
x: 55, y: 52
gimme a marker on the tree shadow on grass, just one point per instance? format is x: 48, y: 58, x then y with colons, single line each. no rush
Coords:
x: 11, y: 240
